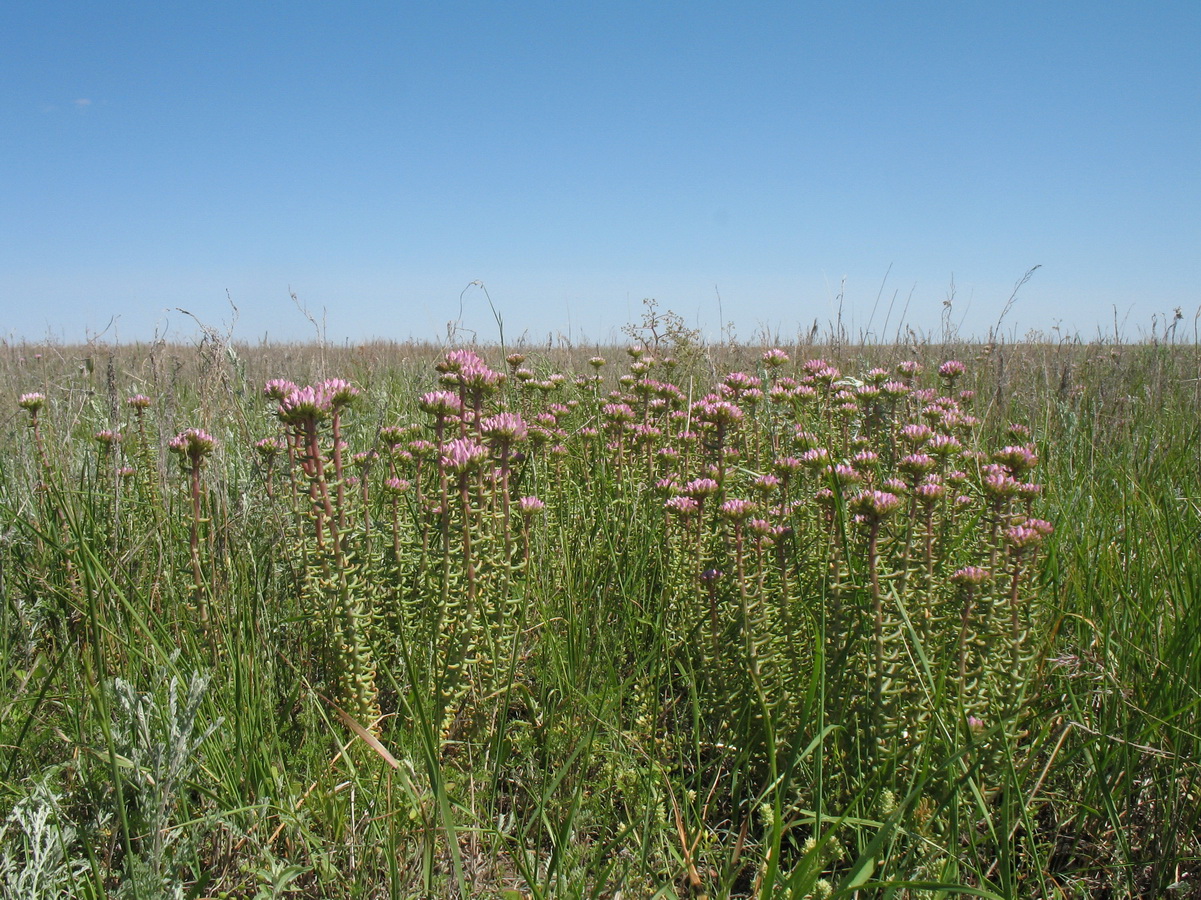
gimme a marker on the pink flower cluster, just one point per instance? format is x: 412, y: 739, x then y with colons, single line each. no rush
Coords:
x: 193, y: 444
x: 31, y: 402
x: 312, y: 403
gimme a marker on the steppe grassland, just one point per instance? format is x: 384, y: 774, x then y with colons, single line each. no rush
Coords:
x: 403, y: 620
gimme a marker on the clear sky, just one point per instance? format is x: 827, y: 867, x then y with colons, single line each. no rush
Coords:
x: 377, y: 158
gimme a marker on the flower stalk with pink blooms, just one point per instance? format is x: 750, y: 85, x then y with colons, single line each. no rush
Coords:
x: 341, y: 601
x: 193, y: 446
x: 32, y: 403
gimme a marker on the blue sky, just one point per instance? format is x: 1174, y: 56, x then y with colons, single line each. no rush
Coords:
x: 377, y: 158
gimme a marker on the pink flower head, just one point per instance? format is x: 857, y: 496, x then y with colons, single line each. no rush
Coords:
x: 930, y: 491
x: 1017, y: 460
x: 761, y: 528
x: 701, y: 488
x: 875, y: 505
x: 999, y: 485
x: 540, y: 436
x: 457, y: 360
x: 422, y: 449
x: 305, y: 404
x: 339, y: 392
x: 108, y: 437
x: 1028, y: 490
x: 767, y: 483
x: 277, y: 389
x: 738, y: 510
x: 741, y: 381
x: 817, y: 458
x: 910, y: 368
x: 719, y: 412
x: 530, y: 505
x: 774, y: 358
x: 780, y: 393
x: 463, y: 454
x: 441, y: 404
x: 31, y: 402
x: 805, y: 440
x: 396, y: 486
x: 681, y: 506
x: 391, y: 435
x: 646, y: 434
x: 1023, y: 537
x: 642, y: 366
x: 943, y: 445
x: 971, y: 575
x: 843, y: 475
x: 803, y: 392
x: 827, y: 376
x: 916, y: 433
x: 788, y: 466
x: 268, y: 447
x: 813, y: 366
x: 867, y: 392
x: 506, y: 428
x: 951, y: 369
x: 193, y: 443
x: 917, y: 464
x: 617, y: 412
x: 480, y: 377
x: 138, y: 402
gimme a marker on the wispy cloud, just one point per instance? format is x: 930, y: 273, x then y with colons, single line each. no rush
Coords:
x: 82, y: 102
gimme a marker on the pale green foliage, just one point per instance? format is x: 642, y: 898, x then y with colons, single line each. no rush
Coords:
x: 38, y: 858
x: 158, y: 740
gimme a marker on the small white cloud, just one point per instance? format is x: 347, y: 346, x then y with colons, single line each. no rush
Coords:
x: 82, y: 102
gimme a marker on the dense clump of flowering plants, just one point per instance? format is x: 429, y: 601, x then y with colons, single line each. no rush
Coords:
x: 758, y: 628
